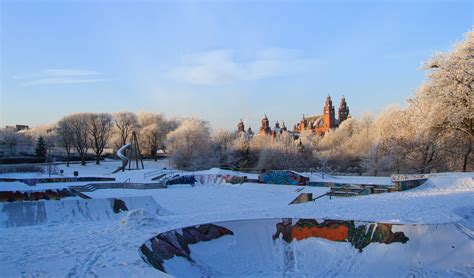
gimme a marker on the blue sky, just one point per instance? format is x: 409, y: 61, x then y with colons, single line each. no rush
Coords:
x: 220, y: 60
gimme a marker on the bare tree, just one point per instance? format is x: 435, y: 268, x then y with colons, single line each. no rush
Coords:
x: 66, y: 136
x: 125, y: 122
x: 100, y: 130
x: 80, y: 134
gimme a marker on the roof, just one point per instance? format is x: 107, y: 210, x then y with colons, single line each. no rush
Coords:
x: 314, y: 118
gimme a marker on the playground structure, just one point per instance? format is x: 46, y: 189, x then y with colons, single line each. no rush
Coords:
x: 130, y: 153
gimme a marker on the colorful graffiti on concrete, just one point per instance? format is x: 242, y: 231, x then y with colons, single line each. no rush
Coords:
x: 174, y: 243
x: 219, y: 179
x: 360, y: 236
x: 310, y: 248
x: 33, y: 182
x: 234, y: 179
x: 188, y: 179
x: 209, y: 179
x: 49, y: 194
x: 405, y: 182
x: 283, y: 177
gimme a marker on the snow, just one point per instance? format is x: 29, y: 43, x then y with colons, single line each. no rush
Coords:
x: 318, y: 177
x: 70, y: 211
x: 109, y: 247
x: 251, y: 251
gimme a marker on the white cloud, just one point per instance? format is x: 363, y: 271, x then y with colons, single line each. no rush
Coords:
x: 56, y: 81
x: 69, y: 72
x: 222, y: 67
x: 60, y: 76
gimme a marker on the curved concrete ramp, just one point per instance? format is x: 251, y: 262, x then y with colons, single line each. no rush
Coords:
x: 311, y: 248
x: 17, y: 214
x: 211, y: 179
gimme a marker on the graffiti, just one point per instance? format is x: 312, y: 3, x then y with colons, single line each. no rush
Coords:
x: 283, y: 177
x: 176, y: 243
x: 359, y: 236
x: 119, y: 206
x: 234, y: 179
x: 189, y: 179
x: 33, y: 182
x: 284, y: 247
x: 220, y: 179
x: 215, y: 179
x: 409, y: 184
x: 405, y: 182
x: 49, y: 194
x: 402, y: 177
x: 211, y: 179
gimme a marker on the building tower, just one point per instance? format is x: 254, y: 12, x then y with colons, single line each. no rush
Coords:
x: 277, y: 126
x: 265, y: 128
x: 283, y: 127
x: 303, y: 123
x: 241, y: 127
x: 329, y: 116
x: 250, y: 132
x: 343, y: 112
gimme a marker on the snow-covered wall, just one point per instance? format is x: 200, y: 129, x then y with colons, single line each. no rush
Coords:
x: 17, y: 214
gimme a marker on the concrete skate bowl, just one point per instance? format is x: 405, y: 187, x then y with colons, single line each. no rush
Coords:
x: 34, y: 213
x: 312, y: 248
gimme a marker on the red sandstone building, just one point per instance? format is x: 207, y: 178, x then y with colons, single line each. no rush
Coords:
x: 319, y: 124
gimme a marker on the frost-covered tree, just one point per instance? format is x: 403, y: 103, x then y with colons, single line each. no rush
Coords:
x: 283, y: 152
x: 384, y: 141
x: 100, y: 130
x: 152, y: 139
x: 153, y: 132
x: 125, y: 123
x: 241, y: 151
x: 149, y: 118
x: 154, y: 128
x: 172, y: 124
x: 223, y: 140
x: 189, y: 146
x: 344, y: 147
x: 446, y: 98
x: 310, y: 139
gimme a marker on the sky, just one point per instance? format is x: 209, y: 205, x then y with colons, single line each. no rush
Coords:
x: 220, y: 61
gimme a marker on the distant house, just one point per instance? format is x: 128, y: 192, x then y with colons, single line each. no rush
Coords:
x: 17, y: 128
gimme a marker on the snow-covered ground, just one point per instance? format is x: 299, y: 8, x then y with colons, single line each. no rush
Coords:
x: 105, y: 246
